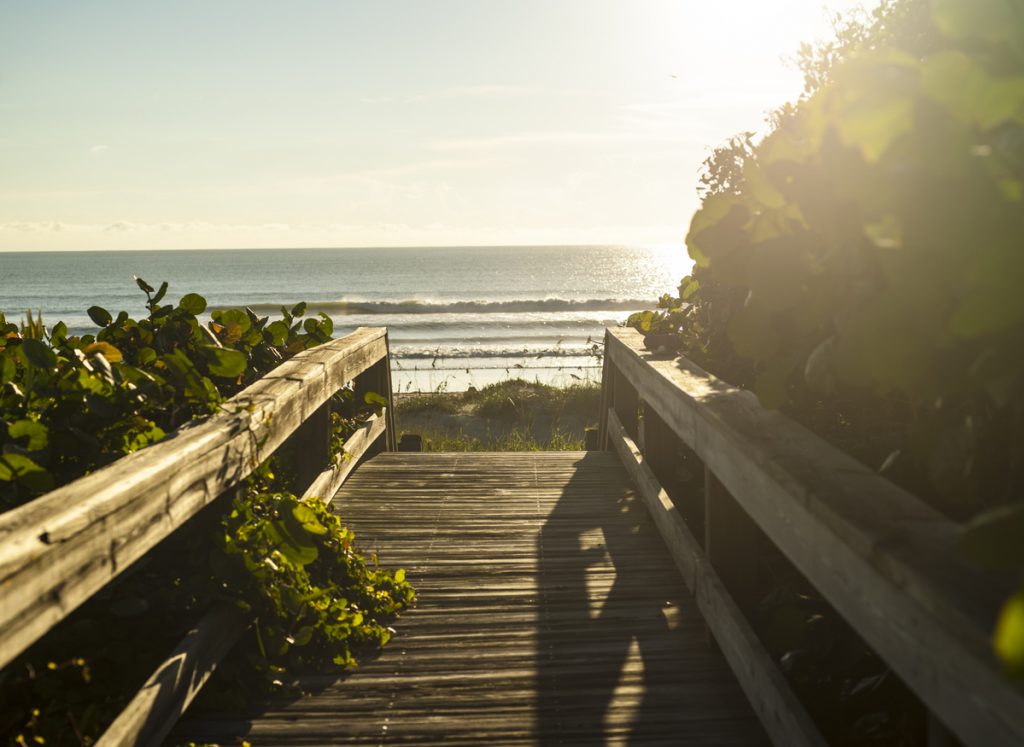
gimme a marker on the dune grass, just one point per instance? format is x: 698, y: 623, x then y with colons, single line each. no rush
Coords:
x: 513, y: 415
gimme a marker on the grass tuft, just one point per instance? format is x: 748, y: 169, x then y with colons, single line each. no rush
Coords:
x: 513, y: 415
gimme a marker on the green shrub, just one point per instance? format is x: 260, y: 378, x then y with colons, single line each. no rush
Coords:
x: 861, y: 266
x: 70, y: 404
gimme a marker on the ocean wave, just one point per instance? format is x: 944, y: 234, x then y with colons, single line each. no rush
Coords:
x: 400, y: 340
x: 351, y: 308
x: 421, y: 325
x: 442, y: 353
x: 509, y: 367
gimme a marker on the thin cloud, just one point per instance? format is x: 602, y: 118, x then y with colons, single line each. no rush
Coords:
x: 99, y: 148
x: 125, y: 226
x: 32, y: 227
x: 479, y: 91
x: 560, y: 138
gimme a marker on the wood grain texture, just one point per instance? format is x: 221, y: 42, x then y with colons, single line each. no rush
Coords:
x: 331, y: 479
x: 169, y: 691
x: 151, y: 714
x: 781, y: 712
x: 886, y: 561
x: 58, y: 550
x: 548, y: 613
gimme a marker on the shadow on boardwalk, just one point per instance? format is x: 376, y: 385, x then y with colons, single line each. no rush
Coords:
x: 549, y: 613
x: 616, y: 634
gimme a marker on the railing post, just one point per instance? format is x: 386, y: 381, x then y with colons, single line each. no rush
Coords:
x: 377, y: 379
x: 606, y: 396
x: 664, y: 453
x: 625, y: 402
x: 390, y: 435
x: 310, y: 446
x: 730, y: 541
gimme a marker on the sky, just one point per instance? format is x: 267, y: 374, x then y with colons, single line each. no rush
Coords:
x: 135, y: 124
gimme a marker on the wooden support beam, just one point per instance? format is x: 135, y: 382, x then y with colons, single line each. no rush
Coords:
x: 154, y: 710
x: 391, y: 432
x: 625, y: 402
x: 310, y: 444
x: 358, y: 446
x: 663, y: 450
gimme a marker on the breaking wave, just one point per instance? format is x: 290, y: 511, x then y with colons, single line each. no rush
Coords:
x: 345, y: 308
x: 442, y: 352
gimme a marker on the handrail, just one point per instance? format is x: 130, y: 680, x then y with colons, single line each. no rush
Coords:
x: 885, y: 560
x: 63, y: 547
x: 164, y: 697
x: 772, y: 699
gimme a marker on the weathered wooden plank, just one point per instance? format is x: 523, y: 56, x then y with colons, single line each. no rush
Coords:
x: 783, y: 716
x: 565, y: 622
x: 169, y: 691
x: 331, y: 479
x: 151, y: 714
x: 391, y: 432
x: 310, y: 444
x: 58, y: 550
x: 885, y: 560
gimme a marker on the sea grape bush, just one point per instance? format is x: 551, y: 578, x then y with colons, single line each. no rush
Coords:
x: 71, y: 404
x: 860, y: 266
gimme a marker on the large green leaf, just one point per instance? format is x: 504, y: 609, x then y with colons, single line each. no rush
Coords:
x: 38, y: 434
x: 108, y: 351
x: 19, y: 468
x: 295, y: 550
x: 143, y: 285
x: 993, y: 21
x: 873, y: 126
x: 964, y: 87
x: 8, y: 368
x: 187, y: 375
x: 326, y: 324
x: 99, y: 315
x: 308, y: 520
x: 714, y: 210
x: 226, y: 362
x: 193, y: 303
x: 235, y: 323
x: 38, y: 354
x: 278, y: 332
x: 160, y: 293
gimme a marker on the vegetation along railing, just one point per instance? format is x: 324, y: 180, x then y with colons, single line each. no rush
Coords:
x: 63, y: 547
x: 883, y: 559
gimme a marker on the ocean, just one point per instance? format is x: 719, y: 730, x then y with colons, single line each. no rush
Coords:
x: 457, y: 317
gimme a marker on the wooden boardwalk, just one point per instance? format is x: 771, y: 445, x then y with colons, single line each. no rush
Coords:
x: 549, y: 613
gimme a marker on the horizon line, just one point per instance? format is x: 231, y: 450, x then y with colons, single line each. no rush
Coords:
x: 624, y: 245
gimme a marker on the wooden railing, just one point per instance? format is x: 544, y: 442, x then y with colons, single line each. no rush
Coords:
x: 63, y: 547
x: 882, y: 558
